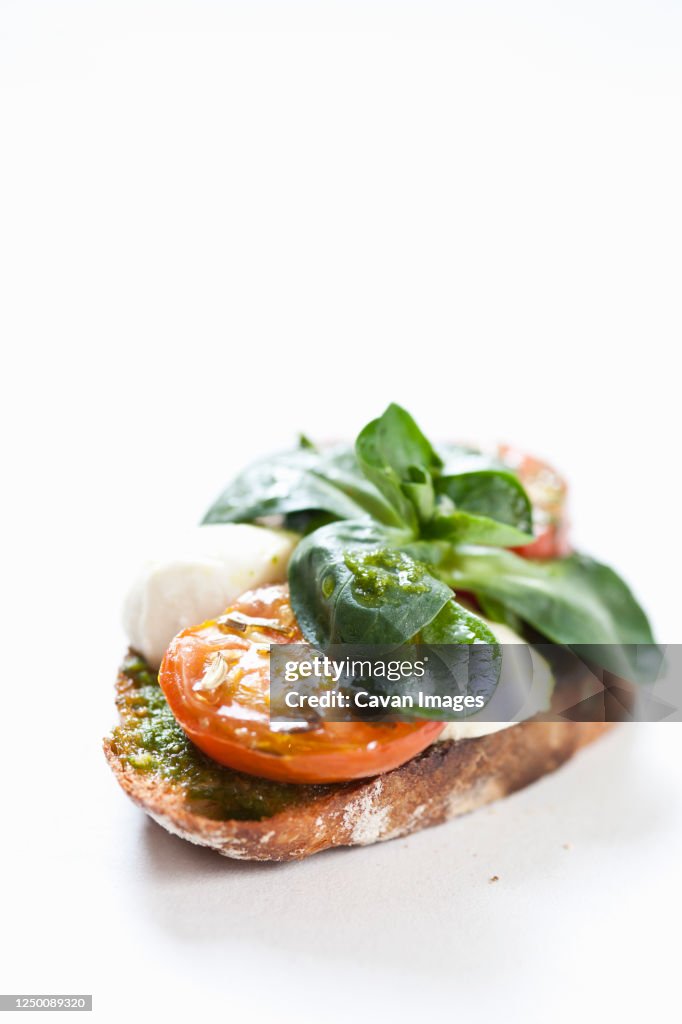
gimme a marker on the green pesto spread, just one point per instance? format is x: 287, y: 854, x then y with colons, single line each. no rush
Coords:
x: 150, y: 740
x: 383, y: 573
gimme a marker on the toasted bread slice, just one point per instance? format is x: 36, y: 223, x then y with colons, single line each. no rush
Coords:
x: 254, y: 819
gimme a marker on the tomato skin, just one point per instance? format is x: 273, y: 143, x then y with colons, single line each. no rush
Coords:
x: 342, y: 765
x: 547, y: 493
x: 550, y: 543
x: 231, y: 721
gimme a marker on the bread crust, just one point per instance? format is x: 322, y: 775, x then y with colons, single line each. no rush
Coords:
x: 446, y: 780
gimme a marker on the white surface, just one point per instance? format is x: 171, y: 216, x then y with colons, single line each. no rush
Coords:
x: 222, y: 223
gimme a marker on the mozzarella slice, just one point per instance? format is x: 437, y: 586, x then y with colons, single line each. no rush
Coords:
x: 196, y: 576
x: 513, y: 668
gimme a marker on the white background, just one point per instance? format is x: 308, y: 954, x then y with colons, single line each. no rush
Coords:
x: 222, y: 223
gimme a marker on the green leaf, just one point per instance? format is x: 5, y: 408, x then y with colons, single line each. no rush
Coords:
x: 465, y: 528
x: 351, y: 583
x: 302, y: 481
x: 457, y: 625
x: 420, y: 491
x: 458, y: 628
x: 492, y: 494
x: 573, y: 601
x: 496, y: 612
x: 437, y: 554
x: 306, y: 522
x: 395, y: 440
x: 340, y: 466
x: 395, y: 455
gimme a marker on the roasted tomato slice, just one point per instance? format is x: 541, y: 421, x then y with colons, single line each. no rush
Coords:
x: 216, y: 679
x: 547, y: 493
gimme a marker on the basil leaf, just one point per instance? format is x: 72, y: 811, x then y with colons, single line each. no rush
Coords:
x: 493, y: 494
x: 395, y: 455
x: 351, y: 583
x: 420, y: 491
x: 574, y: 601
x: 457, y: 625
x: 458, y: 629
x: 436, y: 554
x: 395, y: 440
x: 465, y: 528
x: 495, y: 611
x: 304, y: 480
x: 340, y: 466
x: 306, y: 522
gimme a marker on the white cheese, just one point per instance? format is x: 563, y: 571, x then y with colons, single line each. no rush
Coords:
x: 471, y: 730
x: 529, y: 663
x: 196, y: 576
